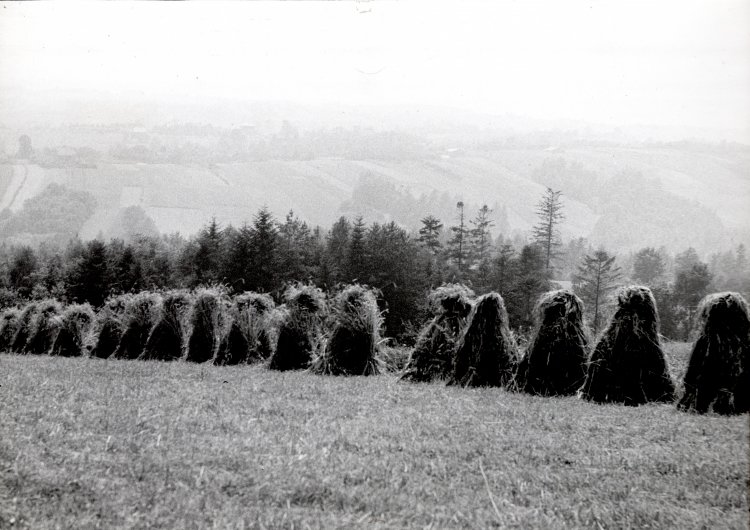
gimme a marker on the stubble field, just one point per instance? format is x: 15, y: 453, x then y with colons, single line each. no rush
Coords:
x: 86, y: 443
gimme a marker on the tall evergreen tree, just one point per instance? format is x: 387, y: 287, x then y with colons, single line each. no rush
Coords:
x: 337, y: 249
x: 89, y: 278
x: 263, y: 271
x: 546, y: 233
x: 357, y: 255
x: 429, y: 234
x: 596, y: 277
x: 690, y: 286
x: 238, y: 260
x: 457, y: 246
x: 207, y: 260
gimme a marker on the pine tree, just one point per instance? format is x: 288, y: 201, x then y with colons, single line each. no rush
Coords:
x: 238, y: 260
x: 457, y: 246
x: 429, y: 234
x: 481, y: 239
x: 596, y: 277
x: 546, y: 233
x: 690, y: 286
x: 88, y: 281
x: 357, y: 257
x: 207, y: 259
x: 337, y: 248
x: 263, y: 272
x: 294, y: 249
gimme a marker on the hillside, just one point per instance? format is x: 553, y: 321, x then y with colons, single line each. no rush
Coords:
x: 622, y: 197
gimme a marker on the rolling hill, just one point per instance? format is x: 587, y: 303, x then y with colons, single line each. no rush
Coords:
x: 623, y: 197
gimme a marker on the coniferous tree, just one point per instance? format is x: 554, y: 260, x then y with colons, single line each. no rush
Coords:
x: 263, y: 271
x: 457, y: 246
x: 89, y: 278
x: 357, y: 254
x: 597, y: 276
x: 546, y: 233
x: 429, y: 234
x: 648, y: 266
x: 690, y: 286
x: 528, y: 283
x: 207, y: 259
x: 238, y: 260
x: 336, y: 255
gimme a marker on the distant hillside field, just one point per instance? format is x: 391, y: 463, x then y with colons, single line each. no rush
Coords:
x: 617, y: 196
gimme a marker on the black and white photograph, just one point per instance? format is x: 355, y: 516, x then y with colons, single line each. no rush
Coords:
x: 375, y: 264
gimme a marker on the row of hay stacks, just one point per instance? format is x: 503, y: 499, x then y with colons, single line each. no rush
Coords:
x: 467, y: 342
x: 208, y: 325
x: 627, y: 364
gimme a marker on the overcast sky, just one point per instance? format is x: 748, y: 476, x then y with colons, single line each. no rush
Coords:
x: 622, y: 62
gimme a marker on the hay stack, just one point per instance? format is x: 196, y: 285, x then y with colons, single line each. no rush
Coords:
x: 485, y: 352
x: 206, y: 321
x: 248, y: 339
x: 165, y: 341
x: 23, y: 328
x: 300, y: 333
x: 110, y: 325
x: 555, y: 360
x: 354, y: 346
x: 138, y: 319
x: 628, y: 364
x: 432, y: 357
x: 44, y: 327
x: 8, y: 328
x: 718, y: 376
x: 75, y: 324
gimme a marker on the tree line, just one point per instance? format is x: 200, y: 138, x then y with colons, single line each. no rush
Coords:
x: 267, y: 254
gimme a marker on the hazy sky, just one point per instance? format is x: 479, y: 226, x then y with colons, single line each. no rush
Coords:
x: 620, y: 62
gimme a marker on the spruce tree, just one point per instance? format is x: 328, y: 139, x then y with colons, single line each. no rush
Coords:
x: 429, y: 234
x: 263, y: 272
x: 596, y: 277
x: 457, y: 246
x: 546, y: 233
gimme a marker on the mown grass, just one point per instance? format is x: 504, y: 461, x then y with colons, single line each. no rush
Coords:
x: 87, y: 443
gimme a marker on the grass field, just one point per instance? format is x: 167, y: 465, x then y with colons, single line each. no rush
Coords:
x: 86, y: 443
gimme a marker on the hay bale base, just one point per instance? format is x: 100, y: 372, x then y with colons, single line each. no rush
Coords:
x: 354, y: 346
x: 718, y: 375
x: 485, y: 353
x: 108, y: 339
x: 432, y: 357
x: 628, y: 364
x: 300, y: 332
x: 555, y: 361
